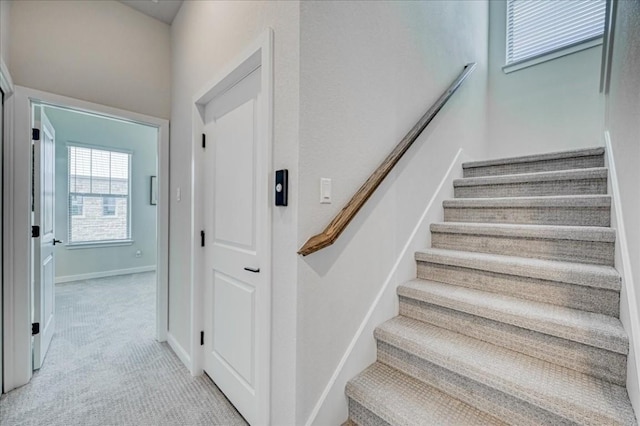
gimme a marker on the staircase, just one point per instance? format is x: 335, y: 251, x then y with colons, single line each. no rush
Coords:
x: 513, y: 318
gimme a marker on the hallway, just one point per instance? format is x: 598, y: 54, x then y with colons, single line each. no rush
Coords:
x: 104, y: 366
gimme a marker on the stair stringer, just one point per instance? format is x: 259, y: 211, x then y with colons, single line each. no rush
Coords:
x: 331, y: 407
x: 629, y: 311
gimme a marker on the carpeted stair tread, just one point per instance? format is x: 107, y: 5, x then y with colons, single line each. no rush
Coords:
x: 549, y: 232
x: 558, y: 175
x: 592, y: 288
x: 583, y: 244
x: 583, y: 152
x: 546, y: 183
x: 575, y: 210
x: 577, y: 201
x: 398, y: 399
x: 583, y: 274
x: 545, y: 159
x: 564, y: 392
x: 589, y: 328
x: 597, y: 362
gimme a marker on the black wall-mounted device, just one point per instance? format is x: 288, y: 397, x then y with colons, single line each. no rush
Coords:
x: 282, y: 187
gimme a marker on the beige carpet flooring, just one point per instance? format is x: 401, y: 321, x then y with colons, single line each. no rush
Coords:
x: 104, y: 366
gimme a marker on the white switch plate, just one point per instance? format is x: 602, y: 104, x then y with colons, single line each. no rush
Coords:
x: 325, y: 191
x: 178, y: 194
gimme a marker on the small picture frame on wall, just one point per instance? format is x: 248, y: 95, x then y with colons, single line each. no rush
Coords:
x: 154, y: 191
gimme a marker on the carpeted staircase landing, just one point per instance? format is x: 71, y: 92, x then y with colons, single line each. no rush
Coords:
x: 513, y: 318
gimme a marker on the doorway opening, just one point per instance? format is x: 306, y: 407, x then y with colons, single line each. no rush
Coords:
x: 94, y: 218
x: 96, y: 208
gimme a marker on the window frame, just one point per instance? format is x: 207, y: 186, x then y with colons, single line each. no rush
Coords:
x: 129, y: 216
x: 110, y: 206
x: 545, y: 56
x: 81, y: 205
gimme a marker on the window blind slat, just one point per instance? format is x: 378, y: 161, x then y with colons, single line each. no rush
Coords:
x: 590, y: 19
x: 536, y: 9
x: 541, y: 26
x: 557, y: 14
x: 551, y: 42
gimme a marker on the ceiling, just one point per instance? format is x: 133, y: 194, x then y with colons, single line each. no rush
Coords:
x: 162, y: 10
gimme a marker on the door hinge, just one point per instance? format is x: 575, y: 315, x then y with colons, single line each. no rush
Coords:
x: 35, y: 134
x: 35, y: 231
x: 35, y: 328
x: 204, y: 140
x: 201, y: 238
x: 201, y: 338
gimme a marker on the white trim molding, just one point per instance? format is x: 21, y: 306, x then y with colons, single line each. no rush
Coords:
x: 552, y: 55
x: 17, y: 253
x: 629, y: 310
x: 180, y: 352
x: 331, y: 406
x: 6, y: 83
x: 17, y: 222
x: 104, y: 274
x: 6, y: 294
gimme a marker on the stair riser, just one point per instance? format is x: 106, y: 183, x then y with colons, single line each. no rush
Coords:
x: 596, y: 362
x: 359, y: 415
x: 596, y: 252
x: 534, y: 189
x: 502, y: 406
x: 536, y: 166
x: 596, y: 216
x: 585, y: 298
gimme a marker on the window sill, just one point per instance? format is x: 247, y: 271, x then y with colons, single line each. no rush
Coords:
x: 526, y: 63
x: 98, y: 244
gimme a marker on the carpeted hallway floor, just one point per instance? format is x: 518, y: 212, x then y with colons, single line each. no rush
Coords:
x: 104, y: 366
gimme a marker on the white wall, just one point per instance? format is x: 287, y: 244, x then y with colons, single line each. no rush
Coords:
x: 552, y: 106
x: 98, y: 51
x: 207, y: 35
x: 5, y: 27
x: 101, y: 132
x: 623, y: 125
x: 368, y: 71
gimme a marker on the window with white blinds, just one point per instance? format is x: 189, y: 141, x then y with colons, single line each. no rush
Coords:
x: 540, y: 27
x: 99, y: 195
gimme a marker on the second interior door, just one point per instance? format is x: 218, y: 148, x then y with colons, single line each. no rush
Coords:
x: 236, y: 204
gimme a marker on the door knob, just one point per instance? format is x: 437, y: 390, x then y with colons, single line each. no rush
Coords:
x: 56, y: 242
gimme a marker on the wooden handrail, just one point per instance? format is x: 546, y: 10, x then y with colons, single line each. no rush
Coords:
x: 342, y: 219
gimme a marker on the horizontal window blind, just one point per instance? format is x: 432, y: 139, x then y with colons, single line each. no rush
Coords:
x: 538, y: 27
x: 98, y: 195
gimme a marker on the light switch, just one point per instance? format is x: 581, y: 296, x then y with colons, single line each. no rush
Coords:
x: 325, y: 191
x: 178, y: 194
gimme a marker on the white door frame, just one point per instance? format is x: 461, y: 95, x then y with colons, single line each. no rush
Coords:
x: 17, y: 190
x: 257, y: 54
x: 6, y: 85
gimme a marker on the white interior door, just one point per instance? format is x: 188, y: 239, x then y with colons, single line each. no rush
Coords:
x: 237, y: 274
x: 43, y: 245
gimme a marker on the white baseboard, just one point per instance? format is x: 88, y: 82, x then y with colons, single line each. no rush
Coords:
x: 629, y: 314
x: 103, y: 274
x: 361, y: 351
x: 179, y: 350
